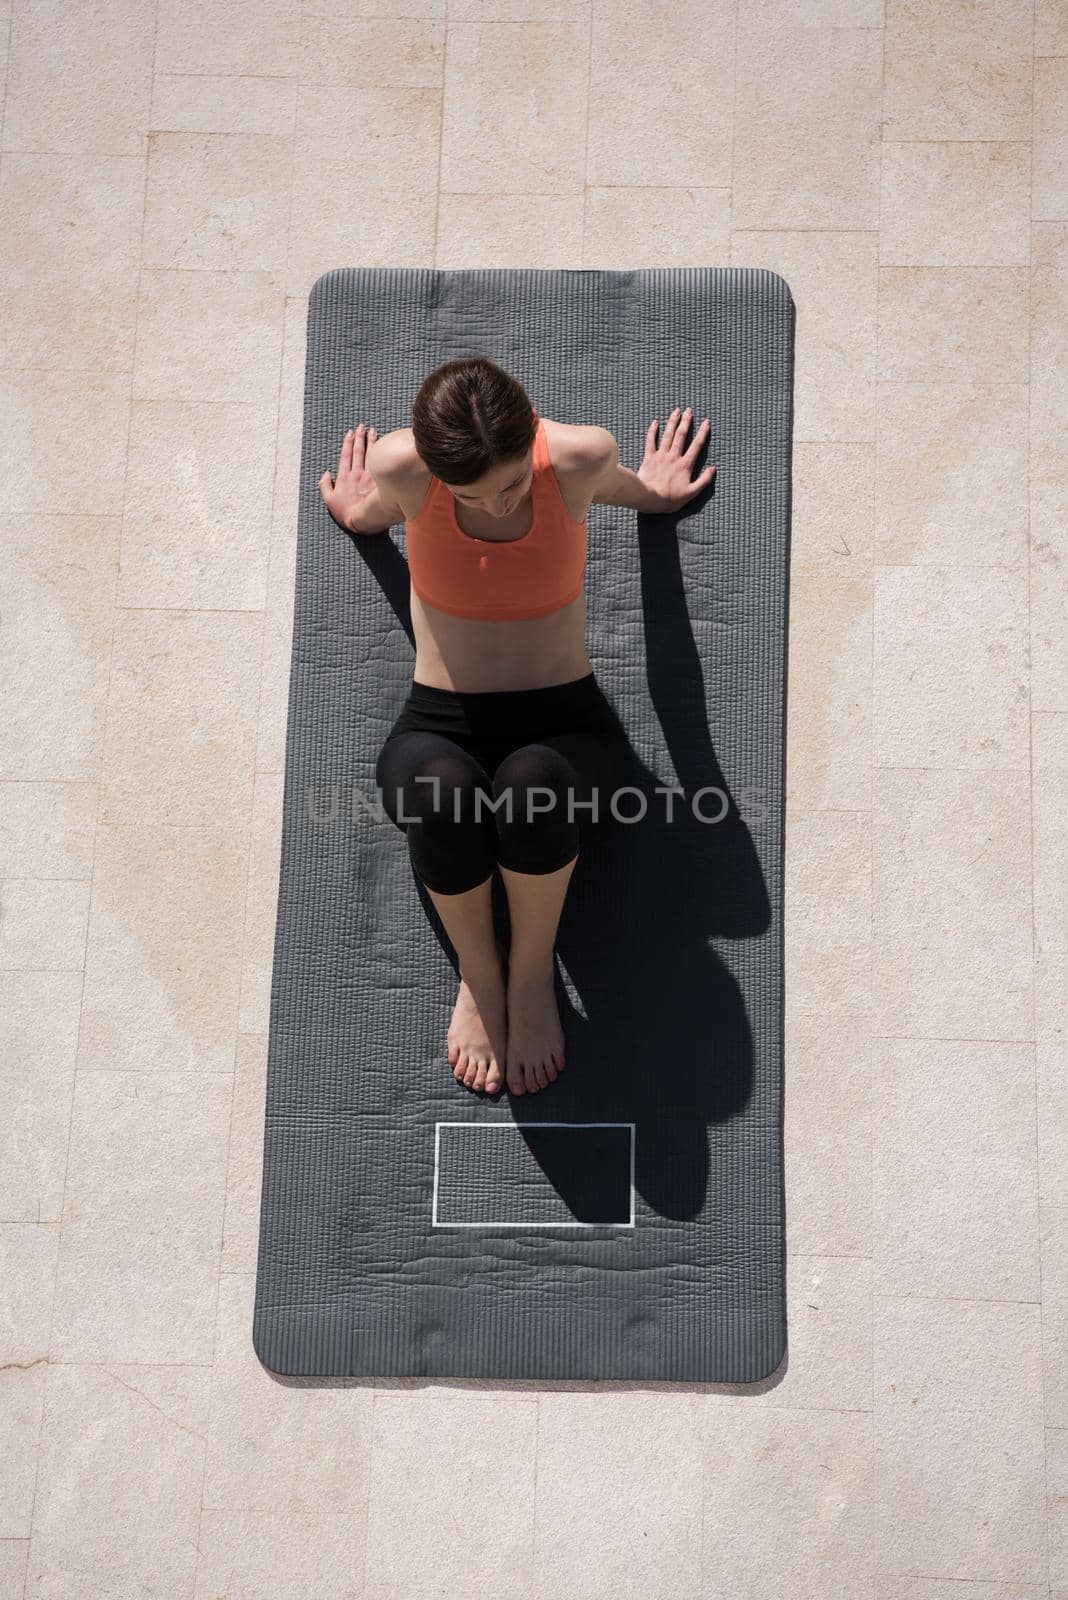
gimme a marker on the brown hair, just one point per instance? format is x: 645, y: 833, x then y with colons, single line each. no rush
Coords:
x: 469, y: 414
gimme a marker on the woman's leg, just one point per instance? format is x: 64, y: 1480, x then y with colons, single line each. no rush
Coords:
x: 428, y: 786
x: 560, y: 789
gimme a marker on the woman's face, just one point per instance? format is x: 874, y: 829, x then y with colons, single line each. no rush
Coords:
x: 502, y: 488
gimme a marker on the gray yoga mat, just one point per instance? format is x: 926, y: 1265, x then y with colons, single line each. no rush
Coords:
x: 629, y: 1221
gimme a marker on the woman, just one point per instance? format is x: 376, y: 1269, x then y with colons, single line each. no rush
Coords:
x: 506, y: 752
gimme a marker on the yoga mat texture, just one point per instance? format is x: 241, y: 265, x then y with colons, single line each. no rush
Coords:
x: 629, y: 1221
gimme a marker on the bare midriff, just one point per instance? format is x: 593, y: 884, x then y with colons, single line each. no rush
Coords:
x: 470, y: 655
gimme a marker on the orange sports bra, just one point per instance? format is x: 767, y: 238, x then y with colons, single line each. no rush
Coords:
x: 499, y: 579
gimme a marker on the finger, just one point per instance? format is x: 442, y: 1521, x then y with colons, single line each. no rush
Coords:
x: 697, y: 441
x: 650, y: 434
x: 345, y: 459
x: 669, y: 429
x: 681, y: 430
x: 326, y: 482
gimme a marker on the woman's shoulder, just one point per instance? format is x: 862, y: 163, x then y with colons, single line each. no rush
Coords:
x: 394, y: 460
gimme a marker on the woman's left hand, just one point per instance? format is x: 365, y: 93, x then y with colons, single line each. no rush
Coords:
x: 666, y: 468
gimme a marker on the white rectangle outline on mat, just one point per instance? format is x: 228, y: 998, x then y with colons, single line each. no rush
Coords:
x: 513, y: 1125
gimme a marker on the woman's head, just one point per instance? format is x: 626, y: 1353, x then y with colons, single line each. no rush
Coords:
x: 474, y: 427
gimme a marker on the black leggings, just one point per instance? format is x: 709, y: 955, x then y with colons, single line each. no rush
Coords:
x: 509, y: 777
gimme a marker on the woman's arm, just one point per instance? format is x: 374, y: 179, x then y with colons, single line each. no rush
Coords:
x: 662, y: 482
x: 360, y: 500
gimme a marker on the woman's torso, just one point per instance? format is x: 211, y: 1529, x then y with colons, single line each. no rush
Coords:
x: 471, y: 655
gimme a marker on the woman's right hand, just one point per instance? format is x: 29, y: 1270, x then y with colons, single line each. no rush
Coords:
x: 354, y: 483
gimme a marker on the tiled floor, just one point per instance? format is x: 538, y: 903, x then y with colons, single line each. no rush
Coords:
x: 173, y: 178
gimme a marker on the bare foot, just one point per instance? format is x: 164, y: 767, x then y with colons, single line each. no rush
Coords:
x: 535, y: 1053
x: 478, y: 1031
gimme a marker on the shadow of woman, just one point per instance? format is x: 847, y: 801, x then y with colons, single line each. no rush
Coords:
x: 656, y: 1025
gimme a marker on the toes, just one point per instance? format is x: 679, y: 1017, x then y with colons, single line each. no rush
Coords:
x: 494, y: 1079
x: 535, y: 1078
x: 480, y: 1076
x: 460, y: 1066
x: 515, y: 1080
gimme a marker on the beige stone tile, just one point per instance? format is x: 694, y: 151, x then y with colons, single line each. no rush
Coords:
x: 514, y: 116
x: 204, y: 103
x: 251, y: 38
x: 1051, y: 28
x: 1053, y: 1234
x: 518, y: 10
x: 198, y: 504
x: 955, y: 204
x: 507, y: 230
x: 1057, y: 1490
x: 443, y: 1454
x: 279, y: 1446
x: 954, y: 1173
x: 63, y: 443
x: 1049, y: 467
x: 38, y: 1039
x: 164, y: 950
x: 396, y: 52
x: 788, y: 1502
x: 828, y: 914
x: 244, y: 1170
x: 301, y: 1549
x: 182, y: 718
x: 1049, y: 598
x: 367, y: 227
x: 22, y: 1391
x: 952, y: 1589
x: 833, y: 511
x: 1051, y: 1059
x: 286, y: 499
x: 261, y: 904
x: 138, y: 1269
x: 1049, y: 799
x: 118, y: 1492
x: 653, y: 227
x: 28, y: 1258
x: 57, y: 581
x: 209, y: 336
x: 69, y: 292
x: 641, y: 58
x: 80, y: 78
x: 806, y: 140
x: 827, y: 1136
x: 1049, y: 352
x: 833, y: 278
x: 217, y: 202
x: 46, y: 830
x: 13, y: 1556
x: 603, y: 1525
x: 958, y: 325
x: 941, y: 448
x: 814, y: 13
x: 952, y: 905
x: 1055, y: 1362
x: 277, y: 658
x: 387, y: 140
x: 957, y: 71
x: 1049, y: 182
x: 950, y: 677
x: 42, y: 925
x: 829, y: 727
x: 958, y: 1440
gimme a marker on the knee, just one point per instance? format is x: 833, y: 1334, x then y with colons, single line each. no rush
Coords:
x: 535, y: 783
x: 438, y: 789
